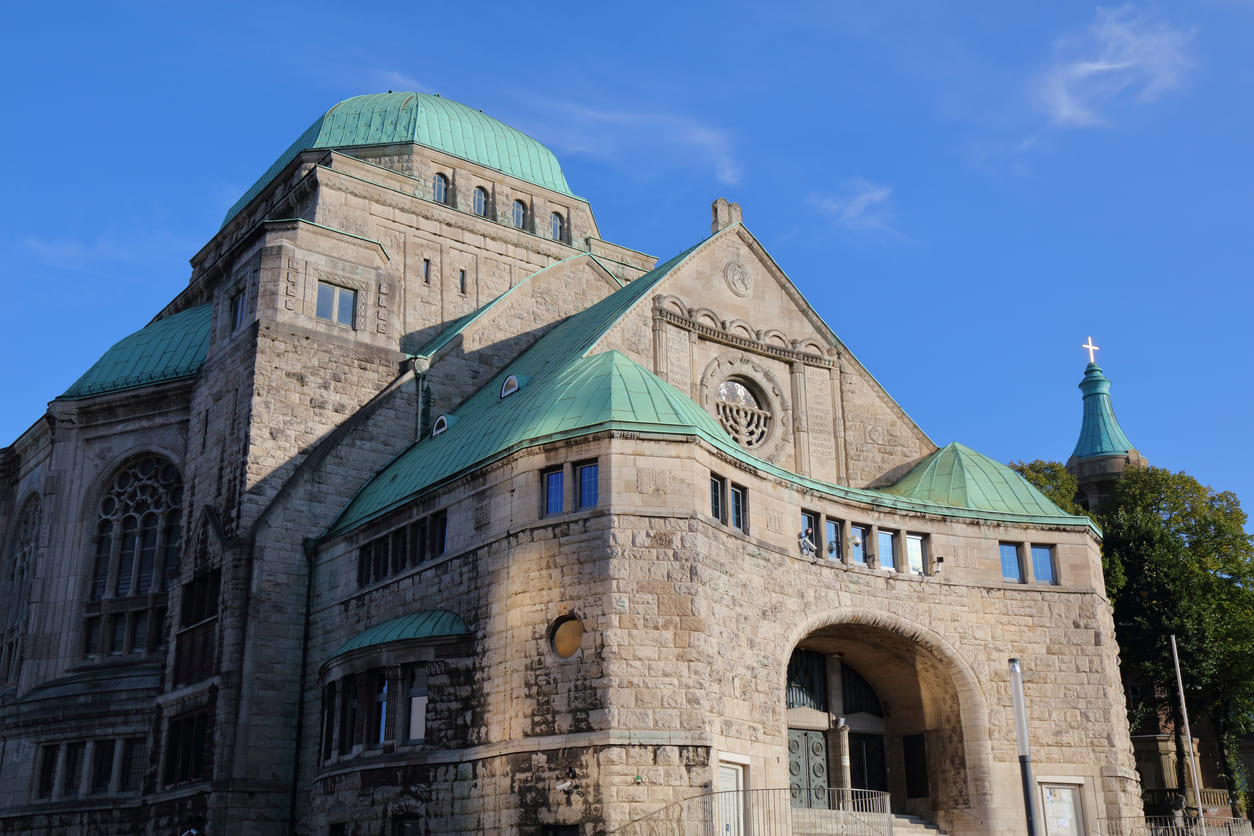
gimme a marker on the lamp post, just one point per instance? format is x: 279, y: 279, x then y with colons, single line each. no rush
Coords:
x: 1021, y: 736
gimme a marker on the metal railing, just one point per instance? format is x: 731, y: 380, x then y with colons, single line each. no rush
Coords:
x: 1166, y: 799
x: 1182, y: 825
x: 781, y: 812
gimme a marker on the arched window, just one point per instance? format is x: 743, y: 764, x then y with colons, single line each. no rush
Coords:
x: 742, y: 414
x: 520, y: 215
x: 557, y: 226
x: 17, y: 582
x: 439, y: 189
x: 481, y: 201
x: 136, y: 550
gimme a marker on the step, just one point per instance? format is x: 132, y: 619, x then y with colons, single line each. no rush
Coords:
x: 904, y: 825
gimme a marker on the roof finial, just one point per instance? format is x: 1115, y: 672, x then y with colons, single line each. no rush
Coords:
x: 1091, y: 348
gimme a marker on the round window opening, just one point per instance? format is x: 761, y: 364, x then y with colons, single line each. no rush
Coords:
x: 741, y: 414
x: 565, y: 636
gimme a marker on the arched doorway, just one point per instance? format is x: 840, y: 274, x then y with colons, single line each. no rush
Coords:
x: 869, y: 707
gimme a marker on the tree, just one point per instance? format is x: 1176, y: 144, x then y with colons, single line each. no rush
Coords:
x: 1176, y: 560
x: 1053, y: 480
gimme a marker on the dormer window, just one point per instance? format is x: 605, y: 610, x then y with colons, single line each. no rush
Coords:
x: 520, y: 215
x: 441, y: 424
x: 510, y: 386
x: 481, y: 201
x: 439, y: 189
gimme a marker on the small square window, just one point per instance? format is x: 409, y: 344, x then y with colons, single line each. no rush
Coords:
x: 739, y: 508
x: 553, y: 491
x: 337, y: 304
x: 1043, y: 564
x: 886, y: 542
x: 916, y: 553
x: 586, y: 473
x: 1011, y: 563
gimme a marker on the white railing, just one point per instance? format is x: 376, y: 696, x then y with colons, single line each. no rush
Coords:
x: 771, y: 813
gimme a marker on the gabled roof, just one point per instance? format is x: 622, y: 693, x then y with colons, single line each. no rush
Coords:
x: 1100, y: 433
x: 960, y: 477
x: 567, y: 393
x: 424, y: 624
x: 442, y: 124
x: 165, y: 350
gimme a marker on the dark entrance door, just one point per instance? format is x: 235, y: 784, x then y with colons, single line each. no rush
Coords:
x: 807, y: 768
x: 867, y: 766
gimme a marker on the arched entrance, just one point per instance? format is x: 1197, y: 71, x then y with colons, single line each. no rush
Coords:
x: 870, y: 707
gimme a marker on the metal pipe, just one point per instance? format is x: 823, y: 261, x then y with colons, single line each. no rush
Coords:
x: 1021, y: 736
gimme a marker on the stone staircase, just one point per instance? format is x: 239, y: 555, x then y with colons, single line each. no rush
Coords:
x: 914, y: 826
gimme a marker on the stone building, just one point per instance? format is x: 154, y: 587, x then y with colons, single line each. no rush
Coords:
x: 424, y: 509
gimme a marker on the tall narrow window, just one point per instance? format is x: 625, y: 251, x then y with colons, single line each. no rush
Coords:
x: 379, y: 711
x: 239, y: 306
x: 439, y: 189
x: 916, y: 558
x: 1043, y: 564
x: 858, y: 535
x: 835, y: 544
x: 47, y: 769
x: 426, y: 271
x: 481, y: 201
x: 13, y: 605
x: 557, y: 226
x: 808, y: 537
x: 587, y: 476
x: 133, y: 763
x: 417, y: 726
x: 553, y: 491
x: 135, y: 556
x: 520, y: 215
x: 101, y: 766
x: 337, y: 304
x: 887, y: 545
x: 74, y: 766
x: 1011, y: 563
x: 739, y: 508
x: 718, y: 498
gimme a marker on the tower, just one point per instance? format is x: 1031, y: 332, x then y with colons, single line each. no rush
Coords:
x: 1103, y: 451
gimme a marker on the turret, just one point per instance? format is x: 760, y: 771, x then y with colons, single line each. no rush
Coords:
x: 1103, y: 451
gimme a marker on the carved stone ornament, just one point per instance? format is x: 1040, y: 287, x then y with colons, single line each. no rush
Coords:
x: 749, y: 403
x: 738, y: 279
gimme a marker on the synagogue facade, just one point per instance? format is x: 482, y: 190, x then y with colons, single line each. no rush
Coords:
x: 423, y: 509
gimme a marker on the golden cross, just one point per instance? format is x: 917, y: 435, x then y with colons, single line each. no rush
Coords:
x: 1091, y: 348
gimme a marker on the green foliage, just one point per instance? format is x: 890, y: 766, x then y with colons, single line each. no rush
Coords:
x: 1053, y: 480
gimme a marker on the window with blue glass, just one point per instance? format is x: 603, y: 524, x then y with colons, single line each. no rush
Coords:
x: 336, y: 304
x: 439, y: 189
x: 586, y: 474
x: 520, y: 215
x: 739, y: 508
x: 887, y: 545
x: 1043, y: 564
x: 552, y: 482
x: 858, y: 535
x: 1011, y: 564
x: 557, y: 226
x: 481, y: 201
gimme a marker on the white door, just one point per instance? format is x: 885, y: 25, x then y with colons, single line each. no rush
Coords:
x: 731, y: 799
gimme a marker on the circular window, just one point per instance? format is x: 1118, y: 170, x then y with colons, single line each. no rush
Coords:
x: 565, y: 636
x: 741, y: 414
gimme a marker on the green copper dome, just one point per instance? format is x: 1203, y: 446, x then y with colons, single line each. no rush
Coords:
x: 959, y: 477
x: 1100, y: 434
x: 442, y: 124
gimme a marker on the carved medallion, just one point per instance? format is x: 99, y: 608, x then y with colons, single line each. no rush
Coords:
x: 738, y: 279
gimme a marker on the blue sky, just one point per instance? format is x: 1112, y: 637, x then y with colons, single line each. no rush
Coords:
x: 965, y: 192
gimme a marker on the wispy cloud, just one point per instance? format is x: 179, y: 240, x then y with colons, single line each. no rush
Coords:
x: 629, y: 134
x: 1123, y: 55
x: 864, y: 207
x: 396, y: 80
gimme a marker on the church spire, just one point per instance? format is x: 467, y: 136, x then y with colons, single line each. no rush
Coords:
x: 1103, y: 451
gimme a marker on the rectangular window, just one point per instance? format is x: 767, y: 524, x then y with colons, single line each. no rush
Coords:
x: 399, y: 550
x: 437, y: 528
x: 348, y: 713
x: 91, y: 636
x: 102, y: 766
x: 718, y: 498
x: 426, y: 271
x: 47, y: 770
x: 186, y: 752
x: 461, y: 282
x: 834, y: 544
x: 1043, y: 564
x: 74, y: 766
x: 379, y: 710
x: 133, y: 764
x: 808, y: 537
x: 858, y: 535
x: 238, y: 308
x: 416, y: 730
x: 337, y: 304
x: 739, y: 508
x: 553, y: 490
x: 586, y: 474
x: 1011, y: 565
x: 916, y: 552
x: 886, y: 543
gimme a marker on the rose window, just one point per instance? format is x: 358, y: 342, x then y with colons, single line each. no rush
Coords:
x: 741, y: 414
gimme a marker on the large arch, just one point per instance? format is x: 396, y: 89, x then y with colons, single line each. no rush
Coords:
x: 932, y: 701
